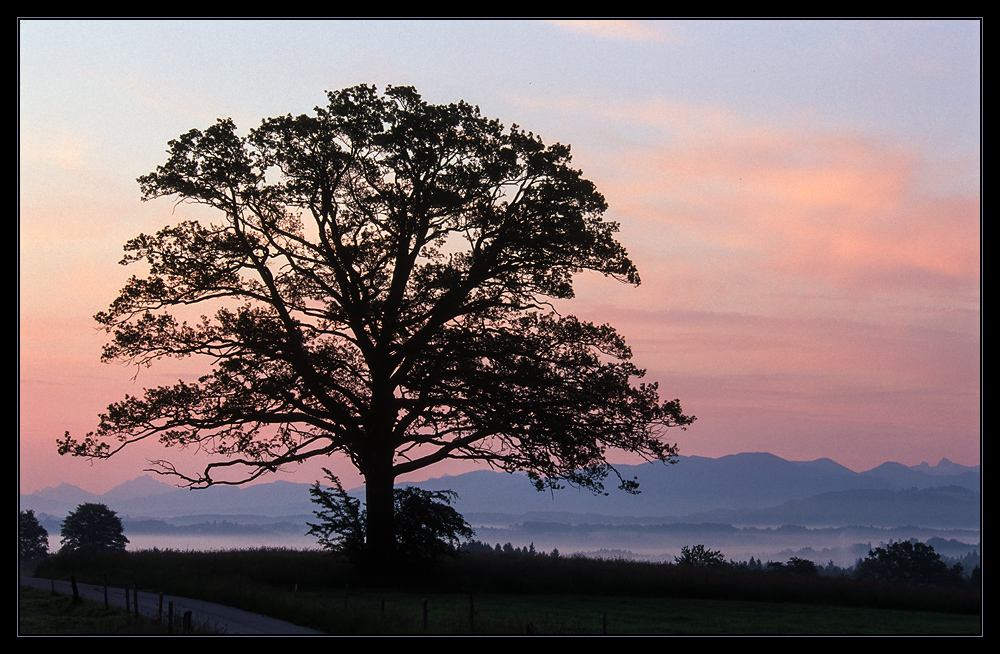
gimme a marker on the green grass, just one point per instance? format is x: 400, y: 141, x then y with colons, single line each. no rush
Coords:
x: 542, y: 595
x: 402, y: 613
x: 41, y: 613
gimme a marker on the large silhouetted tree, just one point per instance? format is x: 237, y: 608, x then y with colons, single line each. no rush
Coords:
x: 379, y: 284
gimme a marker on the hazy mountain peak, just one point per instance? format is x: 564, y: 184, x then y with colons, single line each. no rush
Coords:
x: 944, y: 467
x: 828, y: 465
x: 890, y: 466
x: 144, y: 486
x: 753, y: 480
x: 64, y: 491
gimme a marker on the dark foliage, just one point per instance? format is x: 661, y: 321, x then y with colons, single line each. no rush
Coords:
x: 32, y: 539
x: 380, y: 286
x: 93, y: 527
x: 795, y: 565
x: 427, y: 527
x: 908, y: 562
x: 700, y: 556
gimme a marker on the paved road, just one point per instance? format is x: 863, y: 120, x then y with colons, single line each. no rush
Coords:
x: 226, y: 620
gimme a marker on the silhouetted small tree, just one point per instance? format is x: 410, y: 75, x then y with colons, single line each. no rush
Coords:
x: 32, y: 538
x: 699, y: 555
x: 93, y: 527
x: 341, y: 529
x: 427, y: 527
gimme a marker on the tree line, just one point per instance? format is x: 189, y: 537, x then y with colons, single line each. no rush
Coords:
x: 436, y: 530
x: 898, y: 562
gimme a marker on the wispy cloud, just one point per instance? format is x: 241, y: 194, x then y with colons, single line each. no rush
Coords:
x: 793, y: 273
x: 789, y: 197
x: 53, y: 145
x: 627, y: 30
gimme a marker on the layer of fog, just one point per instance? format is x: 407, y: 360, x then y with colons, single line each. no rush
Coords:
x: 842, y: 546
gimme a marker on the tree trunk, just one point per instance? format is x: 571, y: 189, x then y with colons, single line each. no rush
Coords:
x: 380, y: 532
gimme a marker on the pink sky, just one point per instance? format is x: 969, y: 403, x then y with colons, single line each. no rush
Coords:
x: 805, y: 216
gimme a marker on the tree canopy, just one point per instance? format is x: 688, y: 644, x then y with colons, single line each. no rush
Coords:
x: 32, y: 538
x: 700, y: 556
x: 907, y: 562
x: 93, y: 527
x: 380, y: 283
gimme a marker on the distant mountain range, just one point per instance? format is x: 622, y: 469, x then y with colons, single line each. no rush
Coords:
x: 740, y: 489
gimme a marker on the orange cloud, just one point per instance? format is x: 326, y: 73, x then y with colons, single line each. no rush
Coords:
x: 839, y: 208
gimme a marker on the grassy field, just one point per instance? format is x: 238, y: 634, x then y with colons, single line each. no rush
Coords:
x: 517, y: 595
x: 40, y: 613
x: 623, y: 615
